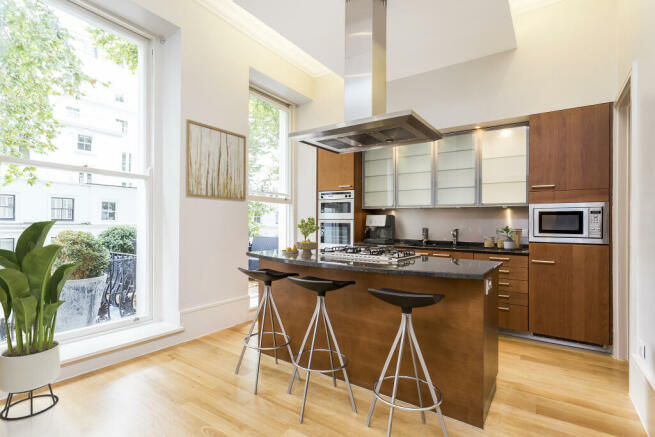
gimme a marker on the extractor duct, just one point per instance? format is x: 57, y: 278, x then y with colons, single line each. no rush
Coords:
x: 365, y: 91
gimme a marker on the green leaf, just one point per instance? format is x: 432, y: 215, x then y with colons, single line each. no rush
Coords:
x: 50, y: 311
x: 37, y: 266
x: 8, y: 259
x: 25, y: 310
x: 32, y: 238
x: 15, y: 283
x: 57, y: 281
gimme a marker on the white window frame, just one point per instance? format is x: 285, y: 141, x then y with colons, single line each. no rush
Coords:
x: 280, y: 198
x: 145, y: 267
x: 13, y: 215
x: 102, y: 210
x: 72, y: 219
x: 13, y: 242
x: 84, y: 143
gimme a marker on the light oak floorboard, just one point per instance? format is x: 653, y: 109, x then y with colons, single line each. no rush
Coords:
x: 191, y: 390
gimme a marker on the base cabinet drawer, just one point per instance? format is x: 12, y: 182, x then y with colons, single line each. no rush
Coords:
x: 513, y: 317
x: 506, y: 284
x: 513, y: 273
x: 510, y: 262
x: 512, y: 298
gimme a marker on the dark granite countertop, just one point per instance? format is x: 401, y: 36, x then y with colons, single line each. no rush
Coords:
x: 462, y: 246
x: 421, y: 266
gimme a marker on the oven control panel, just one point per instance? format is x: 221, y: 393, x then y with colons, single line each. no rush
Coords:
x: 595, y: 223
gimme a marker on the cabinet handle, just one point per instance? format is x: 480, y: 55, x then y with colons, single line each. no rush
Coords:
x: 345, y: 186
x: 503, y: 271
x: 541, y: 261
x: 544, y: 186
x: 498, y: 258
x: 506, y: 296
x: 503, y: 308
x: 504, y: 283
x: 442, y: 255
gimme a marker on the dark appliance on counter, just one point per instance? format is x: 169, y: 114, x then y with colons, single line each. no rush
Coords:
x: 380, y: 229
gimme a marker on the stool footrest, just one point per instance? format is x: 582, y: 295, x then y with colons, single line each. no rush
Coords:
x: 382, y: 397
x: 331, y: 352
x: 246, y: 341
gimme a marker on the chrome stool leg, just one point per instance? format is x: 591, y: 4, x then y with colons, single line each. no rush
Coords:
x: 314, y: 323
x: 406, y: 330
x: 266, y: 304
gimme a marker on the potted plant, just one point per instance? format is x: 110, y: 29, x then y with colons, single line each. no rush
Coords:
x: 508, y: 243
x: 83, y: 291
x: 30, y: 292
x: 307, y: 227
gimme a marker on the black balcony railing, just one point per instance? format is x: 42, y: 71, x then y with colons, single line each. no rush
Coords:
x: 120, y: 288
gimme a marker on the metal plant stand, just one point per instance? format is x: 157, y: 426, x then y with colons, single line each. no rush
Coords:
x: 4, y: 414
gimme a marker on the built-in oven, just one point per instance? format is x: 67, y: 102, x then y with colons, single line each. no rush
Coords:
x: 335, y: 233
x: 336, y: 205
x: 581, y: 223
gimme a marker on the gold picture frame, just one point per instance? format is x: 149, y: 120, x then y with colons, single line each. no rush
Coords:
x: 216, y: 162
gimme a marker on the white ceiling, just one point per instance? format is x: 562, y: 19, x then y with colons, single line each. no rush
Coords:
x: 422, y: 35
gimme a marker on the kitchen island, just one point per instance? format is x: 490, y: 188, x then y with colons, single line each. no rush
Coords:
x: 458, y: 336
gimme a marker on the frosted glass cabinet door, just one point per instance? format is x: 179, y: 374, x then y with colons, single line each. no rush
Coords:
x: 504, y: 165
x: 456, y: 170
x: 378, y: 178
x: 414, y: 172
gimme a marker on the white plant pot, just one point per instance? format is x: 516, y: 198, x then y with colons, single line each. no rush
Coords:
x: 29, y: 372
x: 508, y: 244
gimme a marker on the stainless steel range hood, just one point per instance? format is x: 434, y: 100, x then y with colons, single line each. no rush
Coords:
x: 365, y: 91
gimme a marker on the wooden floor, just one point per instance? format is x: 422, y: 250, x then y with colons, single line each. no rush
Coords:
x: 191, y: 390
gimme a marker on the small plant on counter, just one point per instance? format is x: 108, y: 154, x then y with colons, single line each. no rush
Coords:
x: 507, y: 231
x: 30, y: 290
x: 307, y: 227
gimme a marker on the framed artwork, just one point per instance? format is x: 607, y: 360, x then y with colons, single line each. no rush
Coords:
x: 216, y: 162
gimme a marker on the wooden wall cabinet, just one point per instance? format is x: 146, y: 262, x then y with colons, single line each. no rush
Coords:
x: 335, y: 171
x: 570, y: 155
x: 570, y: 291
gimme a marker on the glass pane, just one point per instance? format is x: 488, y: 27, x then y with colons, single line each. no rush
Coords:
x: 110, y: 284
x: 414, y: 168
x: 456, y: 170
x: 335, y: 233
x: 268, y: 148
x: 335, y: 207
x: 79, y: 116
x: 267, y: 225
x: 561, y: 222
x: 378, y: 177
x: 504, y: 165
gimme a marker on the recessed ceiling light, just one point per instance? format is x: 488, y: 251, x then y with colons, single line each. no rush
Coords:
x: 477, y: 127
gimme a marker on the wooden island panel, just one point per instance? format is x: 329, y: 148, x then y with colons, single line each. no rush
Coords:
x: 458, y: 336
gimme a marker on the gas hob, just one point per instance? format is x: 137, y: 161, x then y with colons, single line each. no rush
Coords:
x: 376, y: 255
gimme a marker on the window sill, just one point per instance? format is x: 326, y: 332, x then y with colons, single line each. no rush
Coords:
x: 101, y: 344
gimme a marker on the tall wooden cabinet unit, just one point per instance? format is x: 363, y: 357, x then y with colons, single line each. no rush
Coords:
x: 570, y: 291
x: 570, y: 155
x: 335, y: 171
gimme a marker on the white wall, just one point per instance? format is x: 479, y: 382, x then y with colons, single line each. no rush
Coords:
x: 636, y: 51
x: 325, y: 108
x: 564, y: 58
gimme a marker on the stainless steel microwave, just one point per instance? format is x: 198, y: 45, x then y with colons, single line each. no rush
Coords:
x: 579, y: 223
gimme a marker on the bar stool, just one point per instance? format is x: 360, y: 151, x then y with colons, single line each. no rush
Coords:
x: 406, y: 301
x: 267, y: 303
x: 320, y: 286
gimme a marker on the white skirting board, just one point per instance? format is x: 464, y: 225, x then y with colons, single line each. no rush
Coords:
x: 195, y: 322
x: 642, y: 394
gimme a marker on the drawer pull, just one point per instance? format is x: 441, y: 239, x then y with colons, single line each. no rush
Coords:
x: 498, y: 258
x: 503, y: 271
x: 541, y: 261
x: 504, y: 283
x: 505, y: 296
x: 345, y: 186
x: 544, y: 186
x: 442, y: 255
x: 503, y: 308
